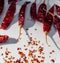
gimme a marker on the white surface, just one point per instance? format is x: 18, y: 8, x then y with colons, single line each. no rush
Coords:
x: 13, y: 30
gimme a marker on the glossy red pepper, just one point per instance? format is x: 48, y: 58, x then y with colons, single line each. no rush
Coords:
x: 3, y: 38
x: 1, y: 6
x: 57, y: 9
x: 41, y: 12
x: 33, y: 12
x: 56, y: 21
x: 21, y: 17
x: 9, y: 16
x: 47, y: 24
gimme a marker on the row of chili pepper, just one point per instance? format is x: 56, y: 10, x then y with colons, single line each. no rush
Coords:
x: 47, y: 18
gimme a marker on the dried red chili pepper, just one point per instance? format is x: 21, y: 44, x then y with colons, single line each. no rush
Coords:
x: 48, y: 20
x: 35, y: 60
x: 1, y: 6
x: 41, y: 12
x: 9, y: 16
x: 33, y: 11
x: 21, y: 17
x: 56, y: 22
x: 3, y: 38
x: 57, y: 9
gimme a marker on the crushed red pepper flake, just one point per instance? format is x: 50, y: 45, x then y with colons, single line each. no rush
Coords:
x: 35, y: 29
x: 42, y: 61
x: 31, y: 61
x: 36, y: 60
x: 6, y: 56
x: 30, y: 54
x: 29, y: 43
x: 26, y: 61
x: 27, y: 29
x: 51, y: 52
x: 18, y: 48
x: 39, y: 56
x: 21, y: 54
x: 11, y: 57
x: 24, y: 45
x: 26, y: 49
x: 1, y: 47
x: 34, y: 56
x: 7, y: 52
x: 40, y: 50
x: 30, y: 38
x: 52, y: 60
x: 35, y: 42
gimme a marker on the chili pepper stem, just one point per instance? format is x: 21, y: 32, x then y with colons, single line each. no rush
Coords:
x: 49, y: 12
x: 44, y: 1
x: 35, y: 1
x: 20, y: 27
x: 0, y: 26
x: 46, y: 37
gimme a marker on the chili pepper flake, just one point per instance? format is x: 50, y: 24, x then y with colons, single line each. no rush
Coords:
x: 35, y: 29
x: 42, y: 61
x: 36, y: 60
x: 1, y: 47
x: 26, y: 49
x: 27, y: 29
x: 30, y: 38
x: 18, y: 48
x: 52, y: 60
x: 21, y: 54
x: 40, y: 50
x: 51, y: 52
x: 29, y: 43
x: 7, y: 51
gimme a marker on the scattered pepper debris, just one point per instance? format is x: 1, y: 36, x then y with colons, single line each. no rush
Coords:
x: 1, y: 47
x: 27, y: 29
x: 40, y: 49
x: 30, y: 55
x: 52, y: 60
x: 35, y: 29
x: 51, y: 52
x: 7, y: 52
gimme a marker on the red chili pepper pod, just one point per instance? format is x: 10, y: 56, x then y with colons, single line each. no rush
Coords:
x: 47, y: 25
x: 57, y: 9
x: 41, y: 12
x: 48, y: 20
x: 21, y: 17
x: 33, y: 13
x: 3, y: 38
x: 1, y: 6
x: 9, y: 16
x: 56, y: 22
